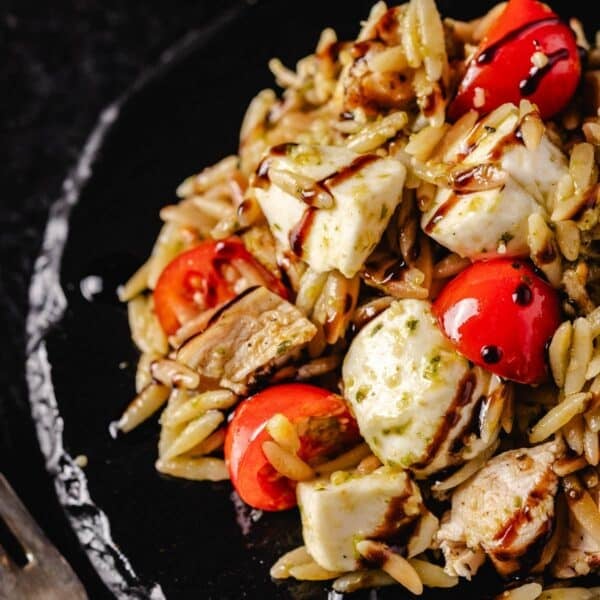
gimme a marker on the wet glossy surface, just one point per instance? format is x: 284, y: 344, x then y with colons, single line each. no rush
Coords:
x: 500, y: 314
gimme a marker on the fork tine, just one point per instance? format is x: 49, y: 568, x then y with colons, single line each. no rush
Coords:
x: 8, y: 576
x: 19, y: 521
x: 47, y: 568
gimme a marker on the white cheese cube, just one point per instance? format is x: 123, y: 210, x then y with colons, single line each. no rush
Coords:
x: 366, y: 189
x: 488, y: 223
x: 404, y: 382
x: 335, y: 516
x: 482, y: 224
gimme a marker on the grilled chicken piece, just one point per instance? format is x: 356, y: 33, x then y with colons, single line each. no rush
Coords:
x: 506, y: 510
x: 415, y: 398
x: 581, y: 552
x: 379, y: 77
x: 255, y: 332
x: 495, y: 183
x: 341, y: 511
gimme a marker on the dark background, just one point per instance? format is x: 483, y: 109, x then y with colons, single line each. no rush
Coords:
x: 61, y: 63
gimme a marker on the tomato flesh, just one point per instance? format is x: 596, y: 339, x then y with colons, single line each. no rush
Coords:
x: 500, y: 315
x: 324, y: 424
x: 503, y: 70
x: 193, y: 281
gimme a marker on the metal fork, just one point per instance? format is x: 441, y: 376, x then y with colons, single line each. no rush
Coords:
x: 46, y: 575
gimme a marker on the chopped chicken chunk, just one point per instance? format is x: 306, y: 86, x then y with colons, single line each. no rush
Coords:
x: 256, y: 331
x: 507, y: 510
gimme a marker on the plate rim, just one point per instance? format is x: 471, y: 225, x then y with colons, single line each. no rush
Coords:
x: 46, y: 307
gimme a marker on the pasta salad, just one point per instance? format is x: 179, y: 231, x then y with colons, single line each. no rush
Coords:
x: 385, y: 308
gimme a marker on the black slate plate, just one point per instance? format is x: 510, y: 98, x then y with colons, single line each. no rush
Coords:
x: 150, y: 536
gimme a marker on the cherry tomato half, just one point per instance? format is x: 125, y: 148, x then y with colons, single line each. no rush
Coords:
x: 194, y: 281
x: 500, y: 315
x: 324, y: 425
x: 527, y: 53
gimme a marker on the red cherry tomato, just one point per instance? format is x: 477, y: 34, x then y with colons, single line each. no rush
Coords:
x: 194, y: 281
x: 502, y: 69
x: 325, y: 427
x: 500, y: 315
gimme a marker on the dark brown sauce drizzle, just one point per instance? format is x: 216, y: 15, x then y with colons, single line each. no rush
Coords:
x: 546, y: 255
x: 331, y: 52
x: 462, y: 181
x: 510, y: 530
x: 466, y: 178
x: 282, y: 149
x: 451, y: 418
x: 324, y: 186
x: 394, y: 519
x: 228, y: 305
x: 244, y: 208
x: 387, y: 26
x: 487, y: 55
x: 441, y: 212
x: 359, y: 49
x: 348, y: 303
x: 530, y: 85
x: 472, y: 427
x: 477, y: 178
x: 359, y: 163
x: 591, y: 198
x: 393, y: 271
x: 309, y: 195
x: 261, y: 177
x: 432, y: 102
x: 522, y: 561
x: 300, y: 231
x: 376, y: 557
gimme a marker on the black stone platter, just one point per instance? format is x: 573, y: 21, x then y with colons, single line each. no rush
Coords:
x: 150, y: 536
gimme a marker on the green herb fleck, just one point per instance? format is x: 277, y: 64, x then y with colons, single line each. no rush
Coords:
x: 408, y: 459
x: 361, y: 393
x: 384, y: 212
x: 489, y: 128
x: 356, y: 538
x: 506, y: 237
x: 339, y: 477
x: 432, y: 368
x: 411, y: 324
x: 397, y: 429
x: 290, y: 148
x: 284, y: 347
x: 377, y: 328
